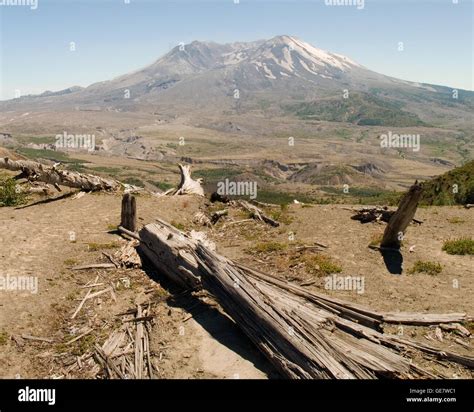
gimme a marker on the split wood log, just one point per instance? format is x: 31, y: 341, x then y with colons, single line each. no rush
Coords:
x: 128, y: 218
x: 50, y: 174
x: 112, y: 260
x: 456, y: 328
x: 202, y: 219
x: 376, y: 214
x: 304, y: 335
x: 127, y: 232
x: 217, y: 197
x: 423, y: 318
x: 37, y: 338
x: 399, y: 222
x: 366, y: 215
x: 127, y: 256
x: 187, y: 185
x: 38, y: 188
x: 139, y: 346
x: 215, y: 216
x: 107, y: 363
x: 257, y: 213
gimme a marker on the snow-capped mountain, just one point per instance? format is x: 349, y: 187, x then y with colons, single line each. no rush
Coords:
x: 287, y: 56
x: 209, y: 76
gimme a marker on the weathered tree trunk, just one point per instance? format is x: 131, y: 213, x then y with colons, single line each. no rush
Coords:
x: 257, y: 213
x: 303, y: 334
x: 188, y: 186
x: 49, y: 174
x: 129, y: 212
x: 400, y: 220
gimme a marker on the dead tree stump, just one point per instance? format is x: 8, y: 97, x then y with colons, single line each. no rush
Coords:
x: 400, y: 220
x: 189, y: 186
x: 129, y: 213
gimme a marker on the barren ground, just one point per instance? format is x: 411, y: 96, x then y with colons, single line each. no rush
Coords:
x: 36, y: 241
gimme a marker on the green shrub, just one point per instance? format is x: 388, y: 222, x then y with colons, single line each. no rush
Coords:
x: 178, y: 225
x: 3, y: 338
x: 9, y: 195
x: 461, y: 246
x: 321, y: 265
x: 431, y: 268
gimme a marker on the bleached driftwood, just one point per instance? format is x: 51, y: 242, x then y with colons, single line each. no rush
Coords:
x: 35, y: 171
x: 187, y: 185
x: 303, y: 334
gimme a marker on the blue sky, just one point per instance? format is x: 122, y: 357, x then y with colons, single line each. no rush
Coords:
x: 113, y: 37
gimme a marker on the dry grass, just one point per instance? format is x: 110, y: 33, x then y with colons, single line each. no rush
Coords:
x: 94, y: 247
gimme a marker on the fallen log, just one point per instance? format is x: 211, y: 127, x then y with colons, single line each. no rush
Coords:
x: 202, y: 219
x: 303, y: 334
x: 423, y: 318
x: 215, y: 216
x: 34, y: 171
x: 257, y: 213
x: 376, y: 214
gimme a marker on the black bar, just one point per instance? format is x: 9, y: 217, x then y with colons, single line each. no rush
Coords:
x: 383, y: 394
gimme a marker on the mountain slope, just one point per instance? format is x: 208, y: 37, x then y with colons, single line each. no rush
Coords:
x: 282, y: 71
x: 451, y: 188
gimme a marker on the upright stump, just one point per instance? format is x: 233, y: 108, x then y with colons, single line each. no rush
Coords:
x: 129, y: 213
x: 395, y: 230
